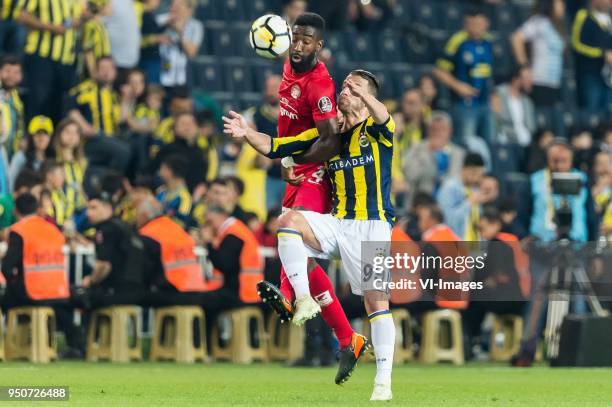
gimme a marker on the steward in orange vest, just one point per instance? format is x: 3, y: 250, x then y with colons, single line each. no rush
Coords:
x: 233, y: 251
x: 505, y: 276
x: 441, y: 241
x: 173, y: 274
x: 34, y: 262
x: 35, y: 269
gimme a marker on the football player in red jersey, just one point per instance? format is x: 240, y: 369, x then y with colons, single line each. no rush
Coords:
x: 307, y: 100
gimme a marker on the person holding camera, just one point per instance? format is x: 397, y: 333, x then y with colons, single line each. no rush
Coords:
x: 560, y: 210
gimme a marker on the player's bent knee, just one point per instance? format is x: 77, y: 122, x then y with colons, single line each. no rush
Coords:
x: 291, y: 220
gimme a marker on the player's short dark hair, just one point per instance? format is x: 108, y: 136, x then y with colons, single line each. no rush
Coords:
x: 9, y: 59
x: 27, y: 179
x: 236, y: 182
x: 473, y: 160
x: 373, y: 83
x: 311, y: 20
x: 176, y: 164
x: 26, y: 204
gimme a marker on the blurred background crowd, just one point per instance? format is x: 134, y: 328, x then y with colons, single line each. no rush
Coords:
x: 125, y: 97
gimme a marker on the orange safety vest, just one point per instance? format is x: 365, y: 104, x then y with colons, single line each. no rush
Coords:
x: 402, y: 243
x: 180, y: 263
x: 251, y: 262
x: 521, y: 261
x: 441, y: 236
x: 44, y: 270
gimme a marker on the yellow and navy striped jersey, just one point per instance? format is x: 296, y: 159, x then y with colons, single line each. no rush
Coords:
x: 9, y: 9
x: 99, y: 106
x: 12, y: 119
x: 164, y: 134
x: 61, y: 208
x: 176, y: 204
x: 95, y: 39
x: 74, y: 173
x: 60, y: 48
x: 360, y: 174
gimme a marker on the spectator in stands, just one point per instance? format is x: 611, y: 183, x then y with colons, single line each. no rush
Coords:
x: 12, y: 124
x: 581, y: 139
x: 234, y: 253
x: 69, y: 153
x: 50, y: 55
x: 28, y: 181
x: 55, y: 202
x: 185, y: 35
x: 372, y: 15
x: 428, y: 163
x: 504, y: 267
x: 152, y: 38
x: 292, y: 10
x: 515, y: 113
x: 26, y: 285
x: 601, y: 191
x: 173, y: 194
x: 96, y: 109
x: 509, y: 216
x: 12, y: 34
x: 173, y: 274
x: 147, y: 113
x: 180, y: 102
x: 117, y: 275
x: 124, y: 34
x: 544, y: 203
x: 461, y: 198
x: 186, y: 144
x: 544, y: 31
x: 429, y: 90
x: 96, y: 43
x: 220, y: 194
x: 409, y: 130
x: 266, y: 235
x: 466, y: 67
x: 490, y: 190
x: 264, y: 118
x: 207, y: 140
x: 37, y: 149
x: 592, y: 45
x: 235, y: 191
x: 536, y: 152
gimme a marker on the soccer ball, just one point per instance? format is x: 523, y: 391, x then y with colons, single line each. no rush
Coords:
x: 270, y: 36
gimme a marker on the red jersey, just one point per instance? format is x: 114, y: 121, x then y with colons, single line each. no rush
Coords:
x: 306, y: 98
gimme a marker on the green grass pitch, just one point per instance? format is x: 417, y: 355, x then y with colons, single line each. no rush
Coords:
x: 156, y: 384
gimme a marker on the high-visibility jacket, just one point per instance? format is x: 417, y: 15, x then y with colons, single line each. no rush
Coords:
x: 44, y: 270
x: 181, y: 266
x: 521, y: 261
x: 442, y: 238
x: 403, y: 244
x: 251, y: 262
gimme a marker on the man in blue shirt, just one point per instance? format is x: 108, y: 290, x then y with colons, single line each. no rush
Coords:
x: 466, y: 68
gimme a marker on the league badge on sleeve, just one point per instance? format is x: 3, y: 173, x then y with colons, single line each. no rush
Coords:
x: 325, y: 104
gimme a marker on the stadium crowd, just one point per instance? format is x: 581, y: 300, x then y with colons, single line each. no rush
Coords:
x: 110, y: 121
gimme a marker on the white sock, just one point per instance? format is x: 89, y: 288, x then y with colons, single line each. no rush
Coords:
x: 294, y: 257
x: 383, y: 339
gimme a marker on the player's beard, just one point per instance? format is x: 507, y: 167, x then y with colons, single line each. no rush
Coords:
x: 305, y: 65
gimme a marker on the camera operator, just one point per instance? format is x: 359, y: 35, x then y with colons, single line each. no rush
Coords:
x: 553, y: 216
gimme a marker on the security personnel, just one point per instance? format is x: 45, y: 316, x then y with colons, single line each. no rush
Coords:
x: 505, y: 276
x: 173, y: 273
x: 118, y: 271
x: 440, y: 241
x: 50, y: 53
x: 234, y: 253
x: 35, y: 269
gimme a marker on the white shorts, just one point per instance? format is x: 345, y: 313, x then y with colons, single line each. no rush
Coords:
x: 342, y: 239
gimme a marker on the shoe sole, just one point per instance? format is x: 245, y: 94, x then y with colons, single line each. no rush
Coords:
x: 302, y: 320
x: 274, y: 298
x: 366, y: 348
